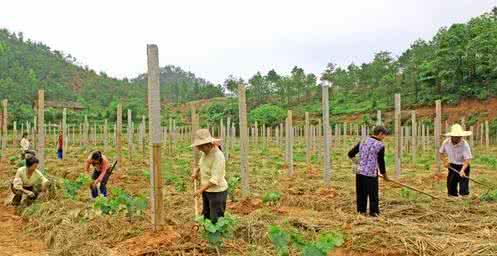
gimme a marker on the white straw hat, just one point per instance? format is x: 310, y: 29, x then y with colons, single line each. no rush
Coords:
x: 457, y: 131
x: 203, y: 136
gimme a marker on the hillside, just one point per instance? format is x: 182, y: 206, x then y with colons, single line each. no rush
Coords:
x: 27, y: 66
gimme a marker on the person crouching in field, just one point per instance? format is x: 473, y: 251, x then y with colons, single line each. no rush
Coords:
x: 371, y: 159
x: 28, y: 181
x: 459, y: 155
x: 100, y: 174
x: 211, y: 169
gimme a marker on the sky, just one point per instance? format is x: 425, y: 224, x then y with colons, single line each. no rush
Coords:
x: 218, y: 38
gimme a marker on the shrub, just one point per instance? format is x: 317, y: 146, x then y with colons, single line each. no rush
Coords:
x: 267, y: 114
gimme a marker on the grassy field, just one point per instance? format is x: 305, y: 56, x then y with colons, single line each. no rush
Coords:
x: 299, y: 206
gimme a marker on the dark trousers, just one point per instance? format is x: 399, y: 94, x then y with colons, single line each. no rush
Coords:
x: 367, y: 187
x: 60, y: 154
x: 454, y: 179
x: 18, y: 194
x: 103, y: 183
x: 214, y: 205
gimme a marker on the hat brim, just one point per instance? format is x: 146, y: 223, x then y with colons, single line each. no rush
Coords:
x: 205, y: 141
x: 459, y: 134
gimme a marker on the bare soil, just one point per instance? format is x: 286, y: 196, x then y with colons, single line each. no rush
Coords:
x: 12, y: 240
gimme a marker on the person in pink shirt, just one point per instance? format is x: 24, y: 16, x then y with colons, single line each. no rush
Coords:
x: 100, y: 174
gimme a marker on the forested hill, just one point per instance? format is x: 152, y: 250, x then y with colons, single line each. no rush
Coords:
x: 26, y: 66
x: 458, y: 62
x: 178, y: 86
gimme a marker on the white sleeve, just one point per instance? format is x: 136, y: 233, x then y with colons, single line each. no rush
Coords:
x: 467, y: 152
x: 442, y: 148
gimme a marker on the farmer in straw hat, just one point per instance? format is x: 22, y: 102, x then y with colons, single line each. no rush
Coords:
x: 459, y: 154
x: 211, y: 170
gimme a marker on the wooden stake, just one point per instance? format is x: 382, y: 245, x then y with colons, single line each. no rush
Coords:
x: 14, y: 135
x: 487, y: 135
x: 414, y: 138
x: 118, y: 130
x: 4, y: 128
x: 438, y: 132
x: 106, y: 136
x: 130, y: 135
x: 289, y: 143
x: 307, y: 138
x: 154, y: 110
x: 398, y: 139
x: 40, y: 154
x: 326, y: 134
x: 244, y: 144
x: 196, y: 154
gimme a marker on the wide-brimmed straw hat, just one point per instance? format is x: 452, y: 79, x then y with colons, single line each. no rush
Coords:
x: 457, y: 131
x: 203, y: 136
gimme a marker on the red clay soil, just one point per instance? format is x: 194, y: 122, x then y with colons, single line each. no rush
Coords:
x: 454, y: 113
x: 148, y: 243
x: 12, y: 241
x: 245, y: 207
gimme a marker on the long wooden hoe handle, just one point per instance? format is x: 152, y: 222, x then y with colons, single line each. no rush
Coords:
x: 195, y: 199
x: 412, y: 188
x: 477, y: 182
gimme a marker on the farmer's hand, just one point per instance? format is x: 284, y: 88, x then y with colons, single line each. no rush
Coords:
x: 95, y: 184
x: 385, y: 177
x: 30, y: 194
x: 197, y: 193
x: 462, y: 174
x: 194, y: 177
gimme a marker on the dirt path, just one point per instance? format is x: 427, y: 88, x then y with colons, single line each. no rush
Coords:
x: 12, y: 241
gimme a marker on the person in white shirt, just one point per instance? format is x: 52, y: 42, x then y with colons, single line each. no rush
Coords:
x: 25, y: 145
x: 28, y: 181
x: 456, y: 154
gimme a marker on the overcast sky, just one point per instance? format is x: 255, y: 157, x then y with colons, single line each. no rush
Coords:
x: 215, y: 38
